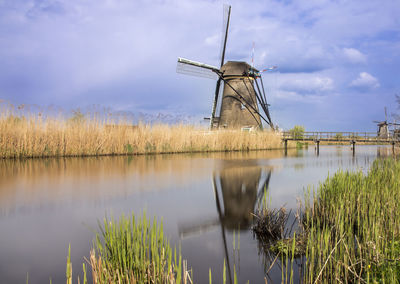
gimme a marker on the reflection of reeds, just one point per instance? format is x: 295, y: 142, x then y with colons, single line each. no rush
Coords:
x: 37, y: 136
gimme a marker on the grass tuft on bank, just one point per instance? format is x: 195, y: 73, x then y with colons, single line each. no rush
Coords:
x: 132, y: 250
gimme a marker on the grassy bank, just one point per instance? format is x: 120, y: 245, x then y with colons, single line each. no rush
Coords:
x: 35, y: 136
x: 132, y: 250
x: 353, y: 227
x: 349, y: 231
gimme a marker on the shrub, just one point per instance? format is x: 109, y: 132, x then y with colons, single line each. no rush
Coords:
x: 297, y: 132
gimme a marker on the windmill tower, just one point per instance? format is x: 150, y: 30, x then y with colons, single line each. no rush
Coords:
x: 243, y: 103
x: 396, y: 131
x: 383, y: 127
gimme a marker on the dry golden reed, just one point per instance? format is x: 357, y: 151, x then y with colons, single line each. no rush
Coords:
x: 38, y: 136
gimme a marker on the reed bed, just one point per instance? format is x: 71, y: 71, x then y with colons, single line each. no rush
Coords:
x: 353, y: 227
x: 38, y: 136
x: 348, y: 231
x: 133, y: 250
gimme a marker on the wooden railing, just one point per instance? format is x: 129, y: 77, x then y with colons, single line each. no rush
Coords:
x: 337, y: 136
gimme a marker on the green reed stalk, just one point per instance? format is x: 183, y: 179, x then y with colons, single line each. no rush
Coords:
x: 353, y: 227
x: 349, y: 229
x: 134, y: 250
x: 68, y: 272
x: 224, y: 273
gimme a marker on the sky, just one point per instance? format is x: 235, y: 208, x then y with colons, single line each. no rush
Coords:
x: 338, y: 61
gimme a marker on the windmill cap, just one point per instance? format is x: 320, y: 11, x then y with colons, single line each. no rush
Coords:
x: 236, y: 68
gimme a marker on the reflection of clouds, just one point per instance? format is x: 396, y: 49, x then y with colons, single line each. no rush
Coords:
x: 298, y: 174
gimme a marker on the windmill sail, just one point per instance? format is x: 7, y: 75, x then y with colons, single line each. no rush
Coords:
x: 194, y: 68
x: 224, y: 38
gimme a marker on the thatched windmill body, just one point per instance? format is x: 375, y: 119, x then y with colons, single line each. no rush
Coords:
x: 243, y: 103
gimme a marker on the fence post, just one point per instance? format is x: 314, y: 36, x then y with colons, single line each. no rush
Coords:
x: 285, y: 147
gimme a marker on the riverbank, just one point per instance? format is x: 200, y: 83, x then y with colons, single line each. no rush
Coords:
x: 35, y: 136
x: 353, y: 226
x: 349, y: 230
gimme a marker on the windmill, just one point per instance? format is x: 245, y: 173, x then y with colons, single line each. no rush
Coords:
x: 383, y: 127
x: 396, y: 131
x: 243, y: 103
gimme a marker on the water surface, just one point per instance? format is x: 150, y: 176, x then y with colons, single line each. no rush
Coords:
x: 205, y: 201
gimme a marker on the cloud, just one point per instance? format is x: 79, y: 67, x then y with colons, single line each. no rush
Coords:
x: 311, y: 85
x: 123, y: 53
x: 365, y: 81
x: 213, y: 40
x: 287, y: 46
x: 40, y: 8
x: 354, y: 56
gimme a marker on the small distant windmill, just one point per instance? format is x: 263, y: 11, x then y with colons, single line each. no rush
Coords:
x: 383, y: 127
x: 242, y: 96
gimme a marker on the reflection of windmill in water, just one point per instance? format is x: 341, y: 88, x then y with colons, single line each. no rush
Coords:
x: 383, y: 127
x: 238, y: 191
x: 242, y: 95
x: 241, y: 189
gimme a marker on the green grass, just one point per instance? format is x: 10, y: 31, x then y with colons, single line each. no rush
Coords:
x: 353, y: 227
x: 134, y: 250
x: 349, y: 230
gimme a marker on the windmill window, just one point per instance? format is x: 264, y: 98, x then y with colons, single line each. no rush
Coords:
x: 242, y: 106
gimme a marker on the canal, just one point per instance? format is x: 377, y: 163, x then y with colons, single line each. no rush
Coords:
x: 204, y: 200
